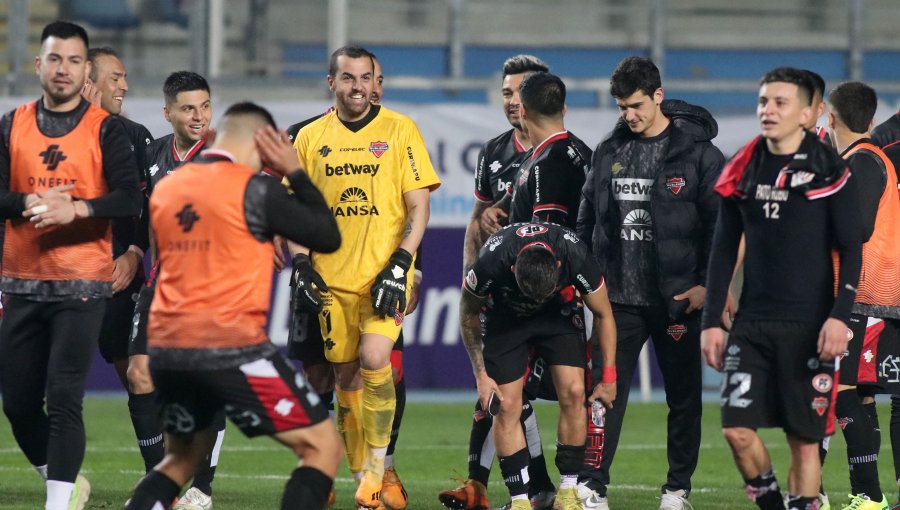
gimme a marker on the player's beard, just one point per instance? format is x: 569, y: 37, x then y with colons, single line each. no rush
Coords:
x: 354, y: 108
x: 61, y: 95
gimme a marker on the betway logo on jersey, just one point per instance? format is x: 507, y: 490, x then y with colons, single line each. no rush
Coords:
x: 632, y: 189
x: 351, y: 169
x: 354, y: 202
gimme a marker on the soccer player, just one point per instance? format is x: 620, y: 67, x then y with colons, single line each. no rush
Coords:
x: 188, y: 109
x: 649, y: 209
x: 498, y: 163
x: 874, y: 321
x: 107, y: 84
x: 522, y: 281
x: 305, y: 343
x: 818, y: 106
x: 216, y: 217
x: 66, y: 167
x: 374, y: 171
x: 792, y: 198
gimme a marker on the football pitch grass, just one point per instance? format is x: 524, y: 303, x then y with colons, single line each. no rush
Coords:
x: 432, y: 451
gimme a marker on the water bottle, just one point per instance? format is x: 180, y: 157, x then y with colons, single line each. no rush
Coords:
x: 596, y: 429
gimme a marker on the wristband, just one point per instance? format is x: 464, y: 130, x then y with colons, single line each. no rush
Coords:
x: 609, y: 375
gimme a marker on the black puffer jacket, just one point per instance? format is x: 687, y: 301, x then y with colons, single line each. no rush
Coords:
x: 683, y: 221
x: 887, y: 132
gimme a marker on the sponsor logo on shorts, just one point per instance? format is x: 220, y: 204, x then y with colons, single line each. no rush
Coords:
x: 734, y: 350
x: 378, y: 148
x: 868, y: 356
x: 531, y: 230
x: 820, y: 405
x: 284, y: 407
x: 822, y: 383
x: 472, y: 280
x: 813, y: 363
x: 675, y: 184
x: 329, y: 344
x: 843, y: 422
x: 676, y: 331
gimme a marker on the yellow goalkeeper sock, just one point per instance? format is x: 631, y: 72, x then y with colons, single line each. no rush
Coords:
x: 350, y: 426
x: 379, y: 403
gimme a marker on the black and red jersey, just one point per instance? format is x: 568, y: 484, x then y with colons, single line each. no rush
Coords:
x: 498, y: 163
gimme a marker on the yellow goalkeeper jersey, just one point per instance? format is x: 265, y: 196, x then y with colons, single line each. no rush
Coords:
x: 363, y: 174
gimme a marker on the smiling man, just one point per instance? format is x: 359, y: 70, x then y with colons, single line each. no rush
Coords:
x: 794, y: 201
x: 649, y: 209
x: 382, y: 209
x: 188, y: 109
x: 57, y: 265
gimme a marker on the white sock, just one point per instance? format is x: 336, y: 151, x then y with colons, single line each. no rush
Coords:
x: 520, y: 496
x: 568, y: 481
x: 388, y: 461
x: 58, y: 494
x: 41, y: 470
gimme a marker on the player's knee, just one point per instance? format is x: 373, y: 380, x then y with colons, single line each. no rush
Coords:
x: 739, y: 438
x: 571, y: 394
x: 510, y: 411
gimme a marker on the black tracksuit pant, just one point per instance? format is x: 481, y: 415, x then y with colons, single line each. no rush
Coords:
x: 677, y: 345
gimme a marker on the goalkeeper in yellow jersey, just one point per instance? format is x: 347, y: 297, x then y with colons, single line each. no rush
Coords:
x: 372, y: 166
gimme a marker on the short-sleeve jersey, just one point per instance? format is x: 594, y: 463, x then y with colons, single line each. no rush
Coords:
x: 550, y: 181
x: 492, y: 277
x: 363, y: 174
x: 498, y: 163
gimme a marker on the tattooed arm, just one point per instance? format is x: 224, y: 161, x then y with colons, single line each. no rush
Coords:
x: 417, y: 213
x: 470, y: 327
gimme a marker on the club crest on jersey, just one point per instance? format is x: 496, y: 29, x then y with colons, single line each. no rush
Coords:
x: 531, y: 230
x: 676, y: 331
x: 822, y: 383
x: 675, y: 184
x: 378, y: 148
x: 819, y: 405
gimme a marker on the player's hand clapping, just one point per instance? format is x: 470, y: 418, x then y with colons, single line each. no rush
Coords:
x: 53, y: 207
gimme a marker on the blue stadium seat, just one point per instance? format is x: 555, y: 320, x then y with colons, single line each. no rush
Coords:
x: 113, y: 14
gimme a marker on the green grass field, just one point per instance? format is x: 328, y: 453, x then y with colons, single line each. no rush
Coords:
x: 432, y: 451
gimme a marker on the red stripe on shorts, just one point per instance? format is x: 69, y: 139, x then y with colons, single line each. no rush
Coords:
x: 279, y: 402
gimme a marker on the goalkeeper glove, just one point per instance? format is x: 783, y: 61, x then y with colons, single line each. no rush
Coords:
x: 306, y: 297
x: 389, y: 289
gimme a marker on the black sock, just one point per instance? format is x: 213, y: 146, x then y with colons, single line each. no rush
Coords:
x: 148, y: 429
x: 306, y: 489
x: 400, y: 390
x: 155, y: 488
x: 764, y: 491
x: 823, y: 452
x: 327, y: 399
x: 895, y: 435
x: 514, y: 469
x: 861, y: 454
x: 569, y: 459
x: 539, y: 478
x: 203, y: 479
x: 872, y: 411
x: 801, y: 503
x: 482, y: 423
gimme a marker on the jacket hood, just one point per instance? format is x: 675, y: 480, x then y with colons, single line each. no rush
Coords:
x: 693, y: 120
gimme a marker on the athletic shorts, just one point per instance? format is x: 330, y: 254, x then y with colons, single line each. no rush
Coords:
x: 261, y: 397
x: 773, y: 378
x: 556, y: 336
x: 116, y: 329
x: 859, y: 365
x: 348, y: 315
x: 138, y: 339
x: 305, y: 344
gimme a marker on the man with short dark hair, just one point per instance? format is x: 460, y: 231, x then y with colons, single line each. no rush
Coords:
x: 498, y: 164
x: 793, y: 200
x: 384, y: 219
x: 520, y: 295
x: 649, y: 210
x: 874, y: 322
x: 188, y: 108
x: 66, y: 168
x: 107, y: 86
x: 216, y: 216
